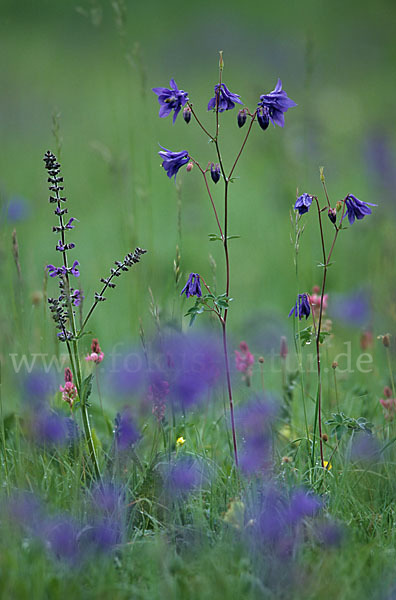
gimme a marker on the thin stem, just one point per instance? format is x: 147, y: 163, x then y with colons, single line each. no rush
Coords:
x: 199, y: 122
x: 230, y: 392
x: 243, y: 144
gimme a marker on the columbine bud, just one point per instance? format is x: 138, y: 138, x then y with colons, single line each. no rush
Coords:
x: 334, y: 364
x: 241, y: 118
x: 215, y: 172
x: 325, y: 437
x: 339, y: 205
x: 189, y: 167
x: 261, y: 360
x: 263, y: 117
x: 332, y: 214
x: 387, y: 392
x: 187, y: 114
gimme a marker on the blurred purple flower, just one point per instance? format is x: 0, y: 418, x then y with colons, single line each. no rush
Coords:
x: 277, y: 103
x: 254, y: 421
x: 125, y: 431
x: 330, y: 533
x: 303, y: 203
x: 26, y: 510
x: 173, y: 161
x: 227, y: 99
x: 170, y: 99
x: 182, y: 476
x: 356, y: 208
x: 18, y: 209
x: 302, y: 504
x: 108, y: 498
x: 50, y: 428
x: 61, y: 536
x: 353, y: 308
x: 37, y: 386
x: 365, y: 448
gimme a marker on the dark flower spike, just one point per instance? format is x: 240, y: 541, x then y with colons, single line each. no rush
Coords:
x: 193, y: 286
x: 301, y: 308
x: 356, y: 209
x: 173, y: 161
x: 170, y: 99
x: 277, y: 103
x: 227, y: 99
x: 303, y: 203
x: 263, y: 117
x: 215, y: 172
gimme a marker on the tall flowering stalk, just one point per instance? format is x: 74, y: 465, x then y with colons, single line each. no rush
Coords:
x: 271, y: 107
x: 355, y: 209
x: 63, y: 307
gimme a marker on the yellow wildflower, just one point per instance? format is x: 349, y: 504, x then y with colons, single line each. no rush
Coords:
x: 180, y: 441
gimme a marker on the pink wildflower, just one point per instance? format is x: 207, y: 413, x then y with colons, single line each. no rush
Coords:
x: 314, y: 300
x: 69, y: 390
x: 389, y: 404
x: 96, y: 355
x: 244, y: 361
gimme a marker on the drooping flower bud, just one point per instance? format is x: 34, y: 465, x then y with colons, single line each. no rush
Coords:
x: 187, y: 114
x: 263, y: 117
x: 339, y: 205
x: 241, y: 118
x: 332, y: 214
x: 215, y: 172
x: 189, y: 167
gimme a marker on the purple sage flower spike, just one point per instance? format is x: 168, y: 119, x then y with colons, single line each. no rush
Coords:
x: 301, y: 308
x: 173, y: 161
x: 170, y: 99
x: 193, y: 286
x: 303, y: 203
x: 277, y: 103
x: 356, y: 209
x: 227, y: 99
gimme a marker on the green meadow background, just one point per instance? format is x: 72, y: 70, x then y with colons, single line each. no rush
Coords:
x: 86, y: 70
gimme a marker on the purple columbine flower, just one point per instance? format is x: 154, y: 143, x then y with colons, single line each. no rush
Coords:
x: 301, y: 308
x: 303, y: 203
x: 170, y: 99
x: 173, y: 161
x: 356, y: 209
x: 215, y: 172
x: 227, y: 99
x: 277, y: 103
x: 193, y: 286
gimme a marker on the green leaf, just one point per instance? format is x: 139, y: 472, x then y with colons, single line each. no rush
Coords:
x: 86, y: 389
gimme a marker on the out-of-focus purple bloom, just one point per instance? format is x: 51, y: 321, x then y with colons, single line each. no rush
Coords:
x: 227, y: 99
x: 365, y: 448
x: 277, y: 103
x: 193, y: 286
x: 173, y: 161
x: 356, y: 209
x: 61, y: 537
x: 353, y: 308
x: 50, y: 428
x: 303, y: 203
x: 26, y: 510
x: 302, y: 505
x: 301, y: 308
x: 182, y: 476
x: 193, y: 365
x: 157, y: 393
x: 37, y: 386
x: 170, y: 99
x: 108, y: 498
x: 18, y: 209
x: 254, y: 421
x: 76, y: 297
x: 125, y: 432
x: 263, y: 117
x: 102, y: 536
x: 215, y: 172
x: 330, y: 533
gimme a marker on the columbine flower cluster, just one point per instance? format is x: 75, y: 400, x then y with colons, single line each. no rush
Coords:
x: 96, y: 354
x: 69, y: 390
x: 193, y: 286
x: 60, y: 307
x: 355, y: 208
x: 271, y: 107
x: 244, y: 361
